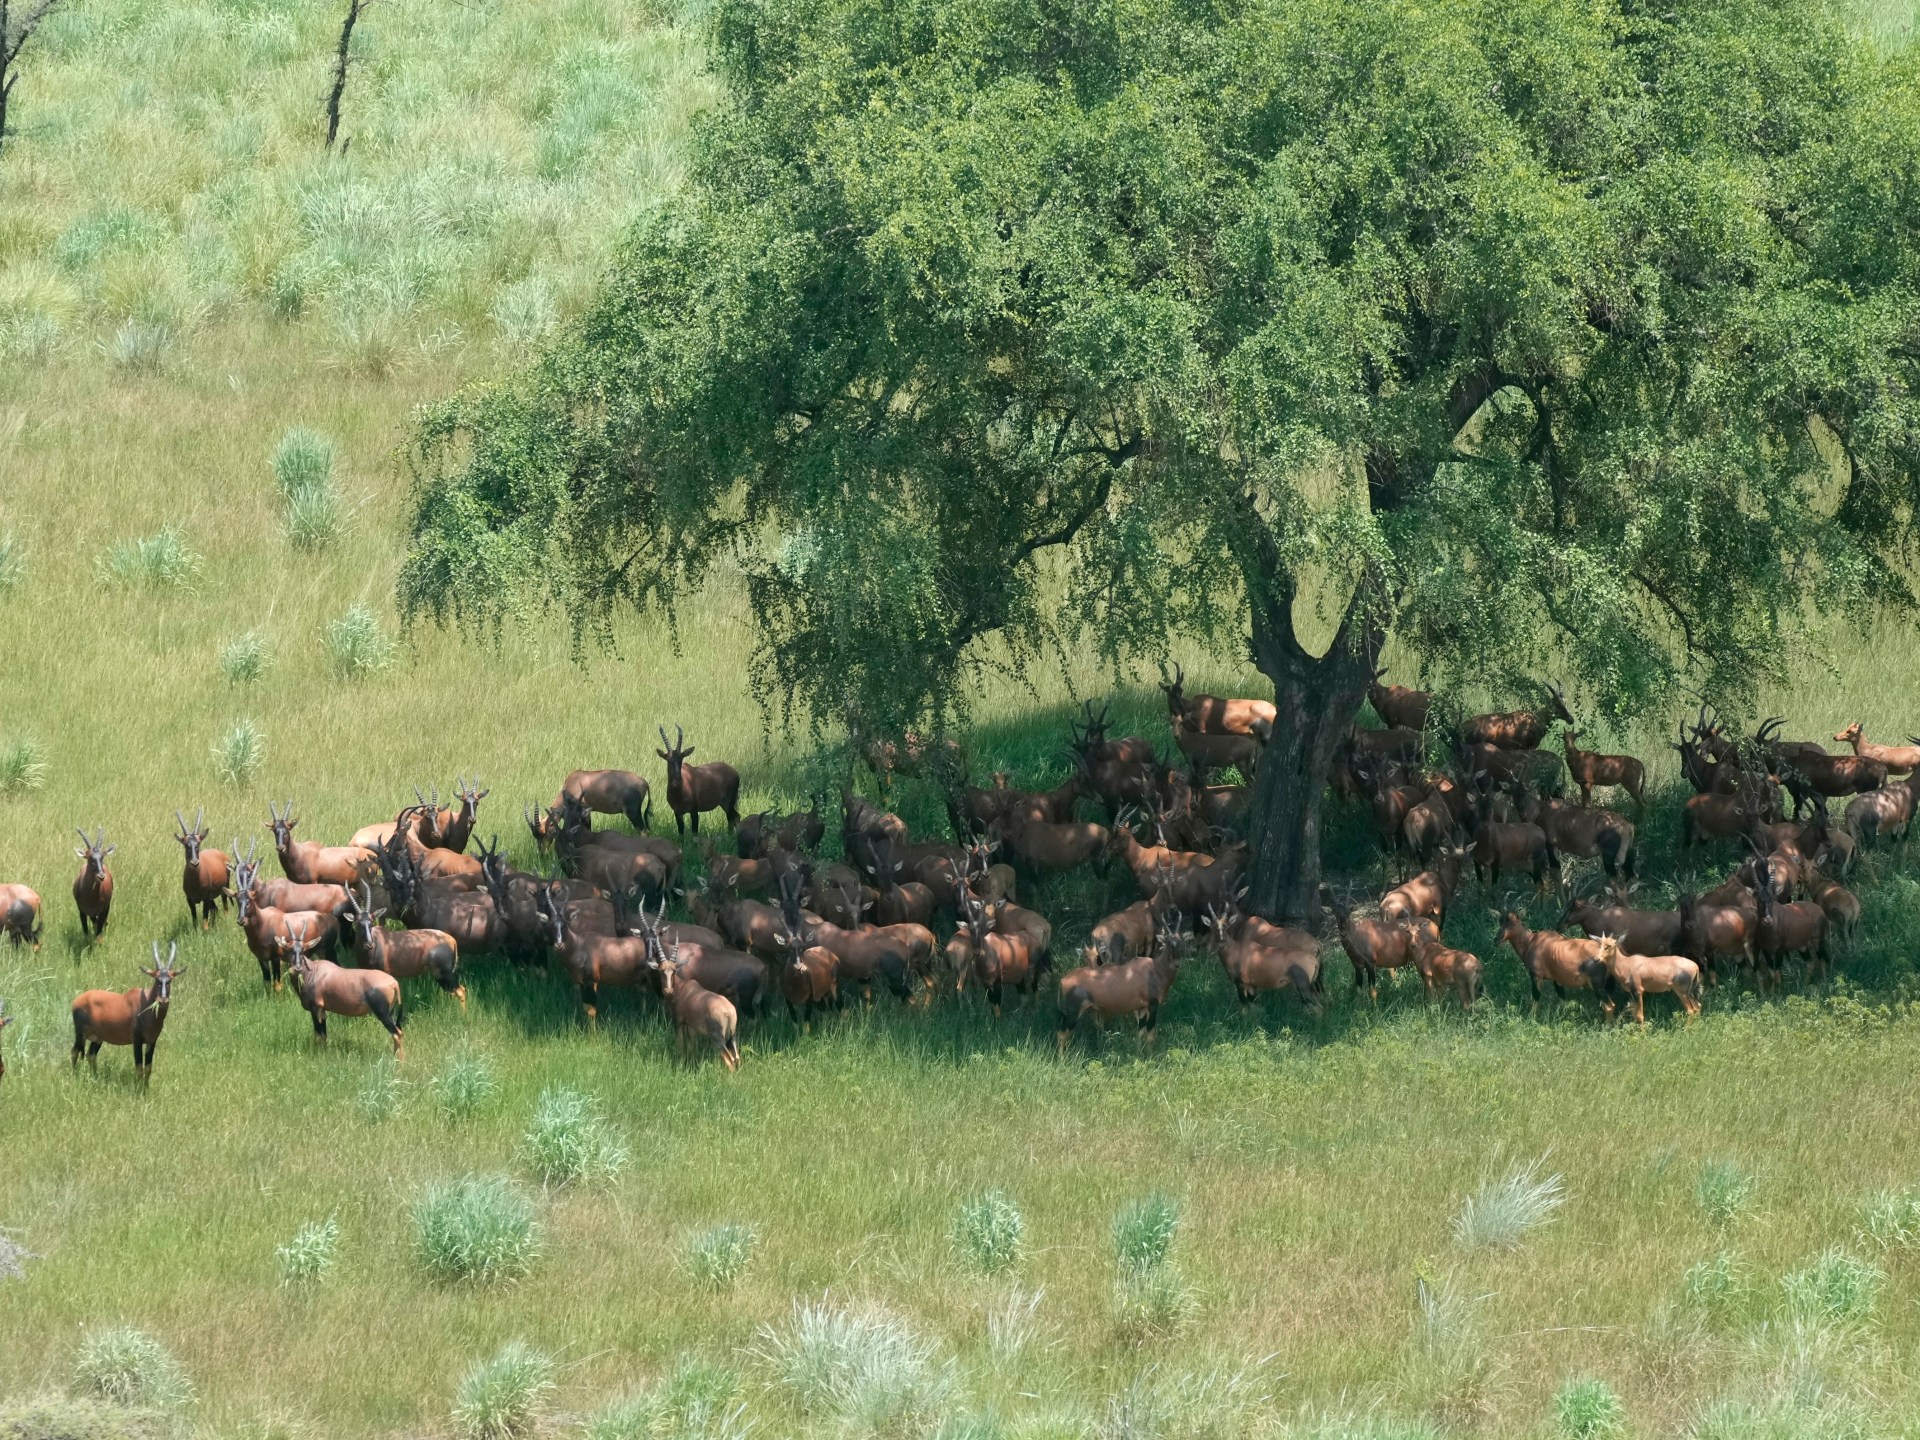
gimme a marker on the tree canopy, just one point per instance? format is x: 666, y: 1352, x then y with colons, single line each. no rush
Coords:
x: 1524, y: 329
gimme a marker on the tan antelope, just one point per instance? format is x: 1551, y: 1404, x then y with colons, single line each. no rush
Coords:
x: 1548, y: 957
x: 127, y: 1017
x: 20, y: 915
x: 694, y: 789
x: 326, y: 989
x: 1627, y: 976
x: 1139, y: 987
x: 1590, y: 768
x: 1428, y: 893
x: 93, y: 886
x: 698, y: 1013
x: 314, y: 864
x: 1899, y: 759
x: 205, y: 879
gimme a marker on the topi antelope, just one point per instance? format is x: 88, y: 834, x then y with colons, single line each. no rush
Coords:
x: 20, y: 915
x: 93, y: 886
x: 205, y: 878
x: 128, y: 1017
x: 695, y: 789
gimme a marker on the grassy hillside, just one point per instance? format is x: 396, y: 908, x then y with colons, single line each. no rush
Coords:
x: 184, y: 277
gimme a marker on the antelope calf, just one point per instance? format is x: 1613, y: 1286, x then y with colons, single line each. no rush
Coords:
x: 205, y: 880
x: 1628, y: 976
x: 128, y: 1017
x: 1442, y: 968
x: 93, y: 886
x: 694, y: 789
x: 324, y: 988
x: 20, y: 915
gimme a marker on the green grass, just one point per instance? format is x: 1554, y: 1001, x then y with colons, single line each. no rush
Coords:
x: 481, y: 1229
x: 502, y: 1398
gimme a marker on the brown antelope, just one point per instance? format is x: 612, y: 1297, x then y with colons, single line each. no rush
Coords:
x: 999, y: 959
x: 1788, y: 928
x: 1517, y: 729
x: 593, y: 960
x: 899, y: 900
x: 1189, y: 879
x: 313, y: 864
x: 1429, y: 892
x: 1055, y: 848
x: 403, y: 953
x: 1117, y: 783
x: 1139, y: 987
x: 204, y: 880
x: 127, y: 1017
x: 740, y: 977
x: 698, y: 1011
x: 5, y: 1021
x: 1629, y: 976
x: 469, y: 916
x: 1589, y: 768
x: 1586, y: 833
x: 1841, y: 904
x: 746, y: 924
x: 610, y: 792
x: 1720, y: 815
x: 1498, y: 848
x: 694, y: 789
x: 1255, y: 965
x: 1207, y: 752
x: 1396, y: 742
x: 1126, y: 934
x: 1539, y: 771
x: 20, y: 915
x: 1216, y: 715
x: 771, y: 830
x: 1886, y: 812
x: 1428, y: 827
x: 265, y: 927
x: 1397, y: 705
x: 1548, y: 956
x: 1372, y: 945
x: 1709, y: 929
x: 986, y: 879
x: 93, y: 886
x: 441, y: 827
x: 324, y: 988
x: 281, y: 893
x: 1641, y: 932
x: 1899, y: 759
x: 809, y: 981
x: 1443, y: 968
x: 733, y: 876
x: 1089, y: 738
x: 863, y: 953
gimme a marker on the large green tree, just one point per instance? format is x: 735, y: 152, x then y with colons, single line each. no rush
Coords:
x: 1581, y: 330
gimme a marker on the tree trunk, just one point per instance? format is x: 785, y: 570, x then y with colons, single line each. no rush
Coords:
x: 1317, y: 699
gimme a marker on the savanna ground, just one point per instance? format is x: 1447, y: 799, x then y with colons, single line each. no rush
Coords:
x: 184, y: 277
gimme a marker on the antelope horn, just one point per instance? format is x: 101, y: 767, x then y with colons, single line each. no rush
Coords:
x: 182, y: 821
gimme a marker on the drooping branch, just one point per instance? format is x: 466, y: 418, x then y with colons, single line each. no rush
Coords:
x: 14, y: 36
x: 341, y: 60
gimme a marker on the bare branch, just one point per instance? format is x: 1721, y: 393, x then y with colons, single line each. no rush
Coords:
x: 340, y: 62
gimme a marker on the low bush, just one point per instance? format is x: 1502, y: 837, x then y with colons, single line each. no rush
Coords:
x: 502, y: 1398
x: 1502, y: 1212
x: 568, y: 1142
x: 480, y: 1229
x: 125, y: 1366
x: 989, y: 1232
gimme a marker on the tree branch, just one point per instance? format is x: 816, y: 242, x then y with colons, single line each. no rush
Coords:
x: 340, y: 61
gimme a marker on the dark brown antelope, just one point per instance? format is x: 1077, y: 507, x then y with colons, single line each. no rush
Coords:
x: 1396, y: 742
x: 1206, y: 752
x: 1641, y: 932
x: 1586, y: 833
x: 770, y: 830
x: 1499, y: 848
x: 1443, y: 968
x: 1549, y: 957
x: 742, y: 978
x: 1372, y: 945
x: 1629, y: 976
x: 93, y: 886
x: 265, y: 926
x: 441, y: 827
x: 1899, y: 759
x: 326, y: 989
x: 1720, y: 815
x: 1589, y: 768
x: 610, y: 792
x: 698, y: 1013
x: 1540, y: 772
x: 593, y: 960
x: 1000, y: 960
x: 313, y: 864
x: 468, y: 915
x: 20, y: 915
x: 1788, y: 928
x: 1517, y: 729
x: 1138, y: 988
x: 864, y: 953
x: 694, y: 789
x: 1089, y: 738
x: 809, y: 981
x: 404, y: 953
x: 1215, y: 714
x: 1709, y: 930
x: 204, y: 881
x: 127, y: 1017
x: 1397, y: 705
x: 1054, y: 848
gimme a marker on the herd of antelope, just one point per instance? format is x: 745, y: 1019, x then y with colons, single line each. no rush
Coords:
x: 416, y: 898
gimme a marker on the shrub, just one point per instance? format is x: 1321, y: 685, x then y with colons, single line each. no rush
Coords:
x: 306, y: 1259
x: 1589, y: 1410
x: 140, y: 345
x: 315, y: 519
x: 479, y: 1229
x: 23, y: 765
x: 125, y: 1366
x: 716, y: 1256
x: 239, y: 754
x: 357, y: 645
x: 989, y: 1232
x: 501, y: 1398
x: 466, y: 1086
x: 1143, y: 1232
x: 302, y: 462
x: 1837, y: 1287
x: 569, y: 1143
x: 868, y: 1369
x: 1501, y: 1212
x: 161, y: 561
x: 1724, y: 1191
x: 13, y: 562
x: 245, y: 658
x: 1892, y: 1218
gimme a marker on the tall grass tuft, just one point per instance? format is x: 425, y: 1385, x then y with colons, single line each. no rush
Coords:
x: 1838, y: 1287
x: 698, y: 1400
x: 1143, y: 1232
x: 1215, y: 1404
x: 1892, y: 1219
x: 23, y: 765
x: 245, y: 658
x: 989, y: 1232
x: 1014, y: 1327
x: 1501, y: 1213
x: 307, y: 1259
x: 866, y: 1369
x: 1718, y: 1286
x: 480, y: 1229
x: 125, y: 1366
x: 357, y: 645
x: 13, y: 562
x: 161, y: 561
x: 239, y: 754
x: 302, y: 461
x: 466, y: 1085
x: 716, y: 1256
x: 1724, y: 1191
x: 1151, y: 1298
x: 502, y: 1398
x: 381, y: 1092
x: 141, y: 346
x: 1589, y: 1410
x: 568, y: 1142
x: 1449, y: 1372
x: 316, y: 519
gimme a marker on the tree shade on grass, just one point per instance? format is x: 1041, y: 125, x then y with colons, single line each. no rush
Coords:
x: 1519, y: 330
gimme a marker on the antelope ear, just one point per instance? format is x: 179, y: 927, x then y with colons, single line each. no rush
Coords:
x: 661, y: 753
x: 686, y: 752
x: 81, y: 853
x: 178, y: 971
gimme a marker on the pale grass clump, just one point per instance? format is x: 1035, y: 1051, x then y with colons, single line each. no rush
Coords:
x: 1588, y: 1409
x: 569, y: 1142
x: 125, y: 1366
x: 466, y: 1085
x: 1215, y: 1404
x: 1014, y: 1327
x: 139, y: 345
x: 1719, y: 1286
x: 381, y: 1093
x: 245, y: 658
x: 240, y: 752
x: 716, y: 1256
x: 698, y: 1400
x: 480, y: 1229
x: 307, y: 1259
x: 503, y: 1398
x: 989, y: 1232
x: 1837, y: 1288
x: 302, y: 461
x: 357, y: 645
x: 161, y: 561
x: 1503, y: 1211
x: 13, y: 562
x: 1724, y: 1191
x: 868, y: 1370
x: 1891, y: 1219
x: 316, y: 519
x: 23, y: 765
x: 1449, y: 1372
